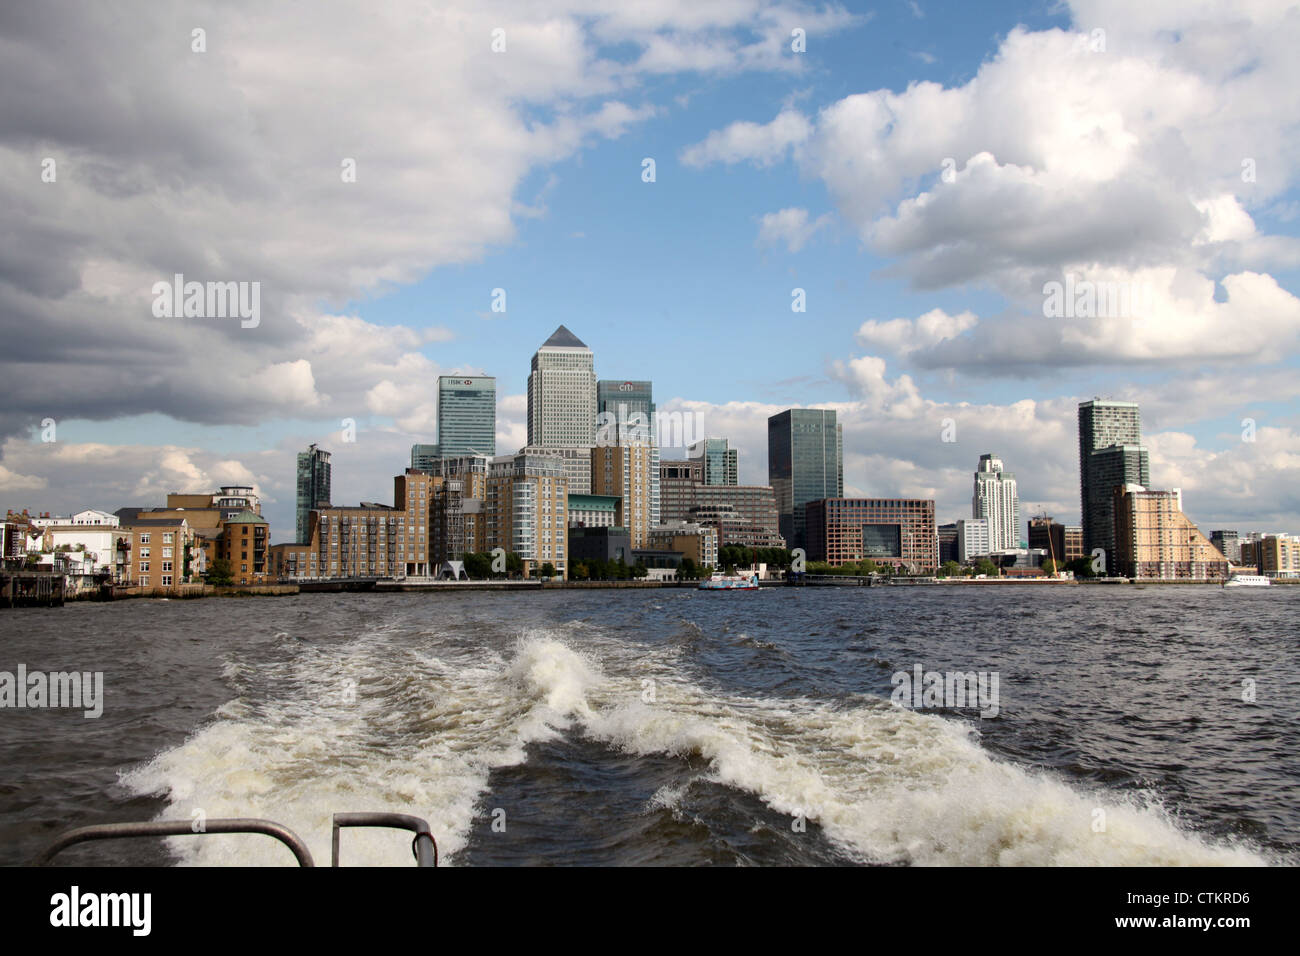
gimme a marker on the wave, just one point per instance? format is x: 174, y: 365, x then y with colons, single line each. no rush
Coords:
x: 423, y: 732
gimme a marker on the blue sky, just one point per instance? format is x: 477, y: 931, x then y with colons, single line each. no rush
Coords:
x: 522, y: 170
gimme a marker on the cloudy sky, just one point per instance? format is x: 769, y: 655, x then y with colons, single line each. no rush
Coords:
x: 922, y: 171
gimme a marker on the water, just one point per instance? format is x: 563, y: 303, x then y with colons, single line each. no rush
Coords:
x: 672, y: 726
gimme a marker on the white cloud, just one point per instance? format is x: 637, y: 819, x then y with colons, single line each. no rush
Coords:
x: 763, y: 144
x: 790, y: 226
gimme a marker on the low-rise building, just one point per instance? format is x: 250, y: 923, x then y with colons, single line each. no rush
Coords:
x: 896, y: 531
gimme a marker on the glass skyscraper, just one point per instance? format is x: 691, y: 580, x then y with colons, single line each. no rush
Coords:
x: 805, y: 462
x: 467, y: 415
x: 313, y: 488
x: 720, y: 461
x: 1110, y: 455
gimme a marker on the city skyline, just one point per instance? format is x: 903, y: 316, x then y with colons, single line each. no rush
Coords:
x: 920, y: 308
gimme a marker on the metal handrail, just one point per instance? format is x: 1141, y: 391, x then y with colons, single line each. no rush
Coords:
x: 423, y: 844
x: 161, y: 828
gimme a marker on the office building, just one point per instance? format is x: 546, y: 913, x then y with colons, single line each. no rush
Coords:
x: 744, y: 515
x: 313, y: 486
x: 897, y: 531
x: 947, y: 534
x: 698, y: 542
x: 1073, y: 542
x: 995, y: 499
x: 467, y: 415
x: 805, y: 462
x: 720, y: 462
x: 972, y: 539
x: 1155, y: 540
x: 1048, y: 535
x: 594, y: 511
x: 1110, y: 456
x: 562, y: 394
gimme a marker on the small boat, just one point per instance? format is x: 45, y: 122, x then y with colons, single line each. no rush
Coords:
x: 1247, y: 581
x: 730, y: 582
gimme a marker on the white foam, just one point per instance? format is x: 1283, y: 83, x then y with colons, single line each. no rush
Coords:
x: 883, y: 783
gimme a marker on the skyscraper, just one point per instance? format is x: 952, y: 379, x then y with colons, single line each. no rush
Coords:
x: 562, y: 394
x: 720, y: 461
x: 313, y: 487
x: 1111, y: 455
x: 562, y: 405
x: 995, y: 499
x: 467, y: 415
x: 805, y: 462
x: 629, y: 409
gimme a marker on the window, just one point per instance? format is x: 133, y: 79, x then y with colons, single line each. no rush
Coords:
x: 144, y: 538
x: 166, y: 580
x: 144, y: 566
x: 167, y: 552
x: 167, y: 538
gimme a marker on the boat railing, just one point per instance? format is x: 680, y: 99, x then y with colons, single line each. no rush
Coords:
x: 423, y: 846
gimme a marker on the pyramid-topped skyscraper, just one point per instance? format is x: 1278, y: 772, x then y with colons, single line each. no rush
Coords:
x: 562, y: 403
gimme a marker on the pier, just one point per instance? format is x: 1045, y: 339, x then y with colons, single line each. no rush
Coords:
x: 31, y: 589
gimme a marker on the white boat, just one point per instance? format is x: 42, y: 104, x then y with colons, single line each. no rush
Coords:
x: 730, y: 582
x: 1247, y: 581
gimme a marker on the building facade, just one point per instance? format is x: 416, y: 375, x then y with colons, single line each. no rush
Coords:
x: 623, y: 471
x: 625, y: 411
x: 1228, y: 545
x: 313, y: 486
x: 995, y: 499
x: 720, y: 462
x: 1111, y: 455
x: 562, y: 401
x: 467, y: 416
x: 1155, y: 540
x: 897, y: 531
x: 805, y: 462
x: 695, y: 541
x: 972, y: 539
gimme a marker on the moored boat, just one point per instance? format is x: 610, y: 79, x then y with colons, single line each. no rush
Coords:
x: 1247, y: 581
x: 730, y: 582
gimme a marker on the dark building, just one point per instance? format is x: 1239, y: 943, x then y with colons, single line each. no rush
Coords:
x: 948, y: 543
x: 1110, y: 456
x: 805, y: 462
x: 745, y: 515
x: 1046, y: 534
x: 600, y: 544
x: 1228, y: 544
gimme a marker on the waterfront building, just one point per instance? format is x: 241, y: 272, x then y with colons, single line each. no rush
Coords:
x: 1279, y: 556
x: 313, y: 486
x: 527, y: 510
x: 972, y: 539
x: 1073, y: 542
x: 1110, y: 455
x: 1047, y: 534
x: 995, y: 499
x: 719, y: 462
x: 805, y: 462
x: 699, y: 542
x: 897, y: 531
x: 744, y: 515
x: 623, y: 471
x: 602, y: 543
x: 594, y: 511
x: 1155, y: 540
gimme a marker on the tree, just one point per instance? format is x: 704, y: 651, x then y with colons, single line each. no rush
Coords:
x: 639, y: 570
x: 986, y: 567
x: 580, y: 571
x: 1050, y: 566
x: 478, y: 565
x: 687, y: 571
x: 1082, y: 568
x: 220, y: 574
x: 514, y: 564
x: 548, y: 570
x: 949, y: 569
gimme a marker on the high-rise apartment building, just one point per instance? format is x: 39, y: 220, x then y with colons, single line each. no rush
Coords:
x: 467, y: 415
x: 527, y: 510
x: 1154, y: 539
x: 624, y: 471
x: 1111, y: 455
x: 805, y: 462
x: 625, y: 411
x: 313, y: 486
x: 720, y: 461
x: 995, y: 499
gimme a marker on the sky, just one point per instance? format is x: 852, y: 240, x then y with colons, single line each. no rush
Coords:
x: 922, y: 172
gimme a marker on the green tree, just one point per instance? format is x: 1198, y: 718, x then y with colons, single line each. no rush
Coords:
x: 220, y: 574
x: 1050, y: 566
x: 514, y: 564
x: 639, y: 570
x: 580, y: 571
x: 949, y: 569
x: 1082, y: 568
x: 478, y: 565
x: 548, y: 570
x: 687, y: 571
x: 987, y: 567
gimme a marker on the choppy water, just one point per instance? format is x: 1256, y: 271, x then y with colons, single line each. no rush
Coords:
x: 673, y: 726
